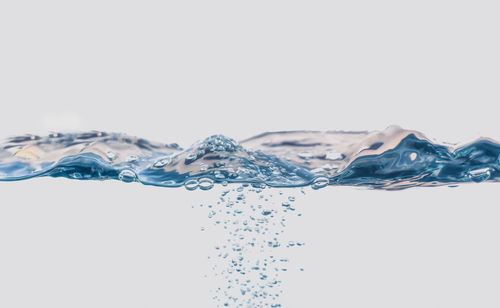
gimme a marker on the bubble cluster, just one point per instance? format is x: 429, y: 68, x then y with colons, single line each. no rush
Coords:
x: 250, y: 259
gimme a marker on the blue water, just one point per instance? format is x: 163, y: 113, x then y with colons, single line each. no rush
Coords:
x: 391, y: 159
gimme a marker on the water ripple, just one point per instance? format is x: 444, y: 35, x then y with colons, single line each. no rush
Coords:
x: 391, y: 159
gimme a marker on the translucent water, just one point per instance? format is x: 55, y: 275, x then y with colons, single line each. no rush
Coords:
x: 254, y: 250
x: 391, y: 159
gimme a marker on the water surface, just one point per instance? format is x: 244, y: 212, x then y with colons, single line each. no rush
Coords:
x: 391, y: 159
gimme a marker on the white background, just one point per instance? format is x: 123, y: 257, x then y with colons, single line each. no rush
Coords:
x: 180, y: 71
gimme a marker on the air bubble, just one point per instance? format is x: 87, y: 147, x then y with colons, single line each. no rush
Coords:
x: 191, y: 184
x: 76, y: 175
x: 111, y: 155
x: 480, y: 175
x: 259, y: 185
x: 127, y: 176
x: 163, y: 162
x: 191, y: 157
x: 205, y: 183
x: 320, y: 182
x: 219, y: 175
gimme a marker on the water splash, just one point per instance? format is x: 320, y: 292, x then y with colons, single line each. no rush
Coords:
x: 391, y: 159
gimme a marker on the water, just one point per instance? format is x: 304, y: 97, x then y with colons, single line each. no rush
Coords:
x: 249, y: 219
x: 391, y: 159
x: 254, y: 249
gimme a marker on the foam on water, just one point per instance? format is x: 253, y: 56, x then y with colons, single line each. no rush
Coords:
x: 391, y: 159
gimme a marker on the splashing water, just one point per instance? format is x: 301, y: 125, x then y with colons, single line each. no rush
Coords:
x: 391, y: 159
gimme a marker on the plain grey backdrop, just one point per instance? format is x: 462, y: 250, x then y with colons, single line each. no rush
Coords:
x: 178, y: 71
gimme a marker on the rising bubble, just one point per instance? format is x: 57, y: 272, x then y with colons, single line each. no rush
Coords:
x: 127, y: 176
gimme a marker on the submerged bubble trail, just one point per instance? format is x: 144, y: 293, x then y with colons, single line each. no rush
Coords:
x: 254, y: 251
x: 391, y: 159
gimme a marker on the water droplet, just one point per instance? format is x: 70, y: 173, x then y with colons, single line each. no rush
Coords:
x: 320, y: 182
x: 191, y: 184
x: 111, y: 155
x: 127, y: 176
x: 205, y: 183
x: 164, y: 161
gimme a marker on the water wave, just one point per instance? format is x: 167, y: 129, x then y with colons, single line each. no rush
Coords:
x: 391, y: 159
